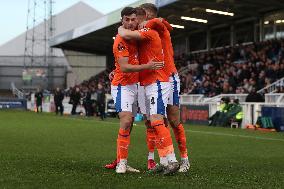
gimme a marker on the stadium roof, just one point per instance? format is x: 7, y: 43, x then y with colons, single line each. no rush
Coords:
x: 96, y: 36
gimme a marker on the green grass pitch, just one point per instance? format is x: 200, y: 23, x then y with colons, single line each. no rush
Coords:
x: 48, y: 151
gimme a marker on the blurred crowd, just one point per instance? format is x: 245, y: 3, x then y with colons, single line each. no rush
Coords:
x: 92, y: 99
x: 90, y: 94
x: 229, y: 70
x: 91, y: 85
x: 243, y: 69
x: 239, y: 69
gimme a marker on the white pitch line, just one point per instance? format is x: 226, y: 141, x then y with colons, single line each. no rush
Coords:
x: 241, y: 136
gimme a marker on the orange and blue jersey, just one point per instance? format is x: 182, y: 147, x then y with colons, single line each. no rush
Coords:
x: 150, y: 49
x: 164, y: 28
x: 123, y: 48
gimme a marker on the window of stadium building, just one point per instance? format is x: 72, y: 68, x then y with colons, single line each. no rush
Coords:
x: 280, y: 31
x: 268, y: 32
x: 274, y: 25
x: 274, y: 31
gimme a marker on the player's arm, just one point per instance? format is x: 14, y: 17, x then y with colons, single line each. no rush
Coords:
x: 167, y: 24
x: 159, y: 24
x: 126, y: 67
x: 111, y: 75
x: 156, y: 24
x: 128, y: 34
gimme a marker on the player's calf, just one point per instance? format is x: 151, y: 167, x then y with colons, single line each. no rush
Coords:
x: 173, y: 115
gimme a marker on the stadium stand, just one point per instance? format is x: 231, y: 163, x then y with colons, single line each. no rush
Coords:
x: 92, y: 83
x: 239, y: 70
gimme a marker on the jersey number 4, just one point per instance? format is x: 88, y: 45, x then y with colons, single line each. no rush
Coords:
x: 152, y: 100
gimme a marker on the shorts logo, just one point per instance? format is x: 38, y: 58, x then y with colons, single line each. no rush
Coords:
x: 152, y: 100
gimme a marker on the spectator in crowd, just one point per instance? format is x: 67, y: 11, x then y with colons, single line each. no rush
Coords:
x: 235, y: 69
x: 280, y: 88
x: 58, y: 98
x: 253, y: 96
x: 233, y: 114
x: 39, y: 99
x: 101, y: 100
x: 87, y: 102
x: 75, y: 98
x: 236, y: 113
x: 228, y: 112
x: 217, y: 118
x: 94, y: 100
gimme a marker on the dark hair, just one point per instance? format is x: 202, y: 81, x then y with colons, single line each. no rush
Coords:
x: 140, y: 11
x: 126, y: 11
x: 150, y: 7
x: 236, y: 101
x: 227, y: 100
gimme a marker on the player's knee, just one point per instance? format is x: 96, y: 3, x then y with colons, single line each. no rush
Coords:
x: 174, y: 122
x: 173, y: 115
x: 126, y: 124
x: 148, y: 124
x: 156, y: 117
x: 125, y: 120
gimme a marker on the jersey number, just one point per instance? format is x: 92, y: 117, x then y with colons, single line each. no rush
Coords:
x: 152, y: 100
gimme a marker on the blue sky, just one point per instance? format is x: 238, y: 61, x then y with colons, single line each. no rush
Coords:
x: 13, y: 13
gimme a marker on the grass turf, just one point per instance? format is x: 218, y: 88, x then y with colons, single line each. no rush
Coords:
x: 48, y: 151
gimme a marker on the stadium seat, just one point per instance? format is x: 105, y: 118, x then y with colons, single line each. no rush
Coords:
x: 234, y: 125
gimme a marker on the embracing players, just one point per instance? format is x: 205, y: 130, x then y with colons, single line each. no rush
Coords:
x: 173, y: 112
x: 124, y: 84
x: 159, y: 93
x: 157, y: 90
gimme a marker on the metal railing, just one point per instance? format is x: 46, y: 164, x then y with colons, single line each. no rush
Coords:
x: 272, y: 87
x: 277, y: 98
x: 16, y: 92
x: 191, y: 98
x: 241, y: 97
x: 274, y: 98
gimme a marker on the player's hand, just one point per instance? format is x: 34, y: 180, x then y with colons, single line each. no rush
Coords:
x: 120, y: 29
x: 156, y: 65
x: 111, y: 75
x: 142, y: 25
